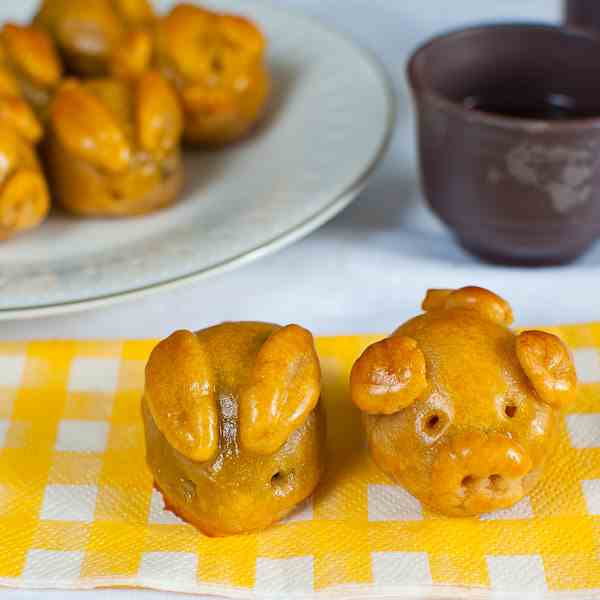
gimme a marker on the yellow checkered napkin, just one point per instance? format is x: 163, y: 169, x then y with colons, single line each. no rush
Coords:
x: 77, y: 509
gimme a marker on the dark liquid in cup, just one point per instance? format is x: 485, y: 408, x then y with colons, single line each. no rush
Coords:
x: 545, y: 107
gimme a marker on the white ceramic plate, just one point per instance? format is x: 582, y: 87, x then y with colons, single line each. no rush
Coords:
x: 329, y: 124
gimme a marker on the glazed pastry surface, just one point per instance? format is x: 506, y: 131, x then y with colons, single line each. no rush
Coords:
x: 88, y: 31
x: 29, y: 58
x: 235, y: 433
x: 114, y: 147
x: 217, y: 63
x: 457, y: 408
x: 24, y: 196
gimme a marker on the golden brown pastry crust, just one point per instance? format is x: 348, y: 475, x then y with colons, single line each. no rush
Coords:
x: 471, y: 431
x: 217, y: 62
x: 204, y: 414
x: 24, y: 197
x: 29, y: 56
x: 113, y: 146
x: 88, y: 31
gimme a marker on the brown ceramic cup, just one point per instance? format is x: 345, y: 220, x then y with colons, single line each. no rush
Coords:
x: 515, y: 189
x: 584, y: 14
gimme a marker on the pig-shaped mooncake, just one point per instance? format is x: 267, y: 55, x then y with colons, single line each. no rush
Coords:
x: 460, y: 410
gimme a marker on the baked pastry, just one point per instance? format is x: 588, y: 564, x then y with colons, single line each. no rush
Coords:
x: 87, y: 31
x: 460, y: 410
x: 235, y: 433
x: 113, y: 147
x: 24, y: 197
x: 217, y: 62
x: 30, y: 65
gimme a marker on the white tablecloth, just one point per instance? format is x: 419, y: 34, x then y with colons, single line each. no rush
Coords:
x: 368, y: 269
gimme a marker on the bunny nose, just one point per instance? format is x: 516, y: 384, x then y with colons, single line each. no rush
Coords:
x: 479, y: 472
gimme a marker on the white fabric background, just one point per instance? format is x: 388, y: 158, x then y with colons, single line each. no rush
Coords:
x: 366, y: 270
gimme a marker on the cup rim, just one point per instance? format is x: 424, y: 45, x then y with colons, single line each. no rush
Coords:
x: 423, y: 90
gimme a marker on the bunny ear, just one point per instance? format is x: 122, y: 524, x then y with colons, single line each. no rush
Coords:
x: 181, y: 396
x: 158, y: 114
x: 133, y: 56
x: 389, y: 376
x: 34, y: 53
x: 549, y: 366
x: 16, y: 112
x: 489, y: 305
x: 24, y: 201
x: 135, y: 11
x: 240, y: 32
x: 284, y: 388
x: 88, y: 129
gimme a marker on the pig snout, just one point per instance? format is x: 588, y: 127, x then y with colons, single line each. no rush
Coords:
x: 478, y: 472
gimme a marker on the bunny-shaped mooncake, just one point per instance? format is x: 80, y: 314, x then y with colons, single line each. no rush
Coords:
x: 87, y: 31
x: 113, y: 147
x: 216, y: 61
x: 29, y: 72
x: 235, y: 433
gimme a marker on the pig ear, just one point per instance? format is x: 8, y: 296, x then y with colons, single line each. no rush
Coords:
x: 488, y: 304
x: 436, y: 299
x: 181, y: 395
x: 549, y: 367
x: 284, y: 388
x: 389, y: 376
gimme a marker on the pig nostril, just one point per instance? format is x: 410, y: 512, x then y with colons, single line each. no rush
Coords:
x: 510, y: 411
x: 277, y: 479
x: 468, y: 481
x: 497, y: 483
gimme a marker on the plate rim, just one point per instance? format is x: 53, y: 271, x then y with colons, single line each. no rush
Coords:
x: 271, y: 246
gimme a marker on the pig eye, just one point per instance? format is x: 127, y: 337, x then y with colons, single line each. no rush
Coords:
x: 434, y: 423
x: 510, y: 410
x: 497, y: 483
